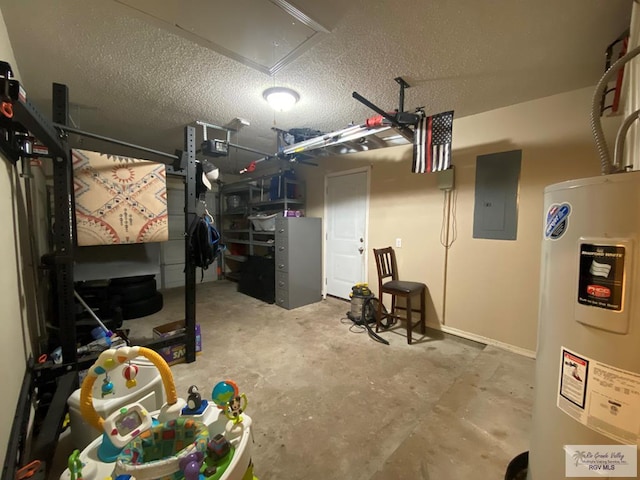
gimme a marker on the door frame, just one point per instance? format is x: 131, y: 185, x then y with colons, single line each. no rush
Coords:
x: 367, y: 171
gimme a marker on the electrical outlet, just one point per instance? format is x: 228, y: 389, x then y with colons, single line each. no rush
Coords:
x: 398, y: 243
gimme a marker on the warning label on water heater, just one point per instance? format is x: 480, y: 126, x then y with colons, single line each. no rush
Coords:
x: 573, y: 379
x: 601, y: 279
x: 600, y: 396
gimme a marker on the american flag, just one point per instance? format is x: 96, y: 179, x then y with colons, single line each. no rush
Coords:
x: 432, y: 143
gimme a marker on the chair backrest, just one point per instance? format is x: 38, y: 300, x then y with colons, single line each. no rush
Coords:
x: 386, y: 264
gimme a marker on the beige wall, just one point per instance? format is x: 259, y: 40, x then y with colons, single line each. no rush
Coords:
x: 491, y: 288
x: 13, y: 350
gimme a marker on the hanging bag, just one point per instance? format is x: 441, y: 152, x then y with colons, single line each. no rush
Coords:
x: 204, y: 242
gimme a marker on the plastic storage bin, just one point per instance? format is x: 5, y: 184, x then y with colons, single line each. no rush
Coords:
x: 263, y: 223
x: 148, y: 392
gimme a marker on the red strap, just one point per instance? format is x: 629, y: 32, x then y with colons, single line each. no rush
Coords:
x: 428, y: 144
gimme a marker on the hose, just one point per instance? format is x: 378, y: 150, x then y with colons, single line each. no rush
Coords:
x: 372, y: 334
x: 368, y: 310
x: 620, y: 139
x: 596, y: 125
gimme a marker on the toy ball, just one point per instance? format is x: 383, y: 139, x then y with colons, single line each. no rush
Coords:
x: 195, y: 457
x: 223, y: 392
x: 129, y: 373
x: 192, y: 471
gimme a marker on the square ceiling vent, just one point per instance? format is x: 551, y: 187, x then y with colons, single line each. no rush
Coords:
x: 264, y: 34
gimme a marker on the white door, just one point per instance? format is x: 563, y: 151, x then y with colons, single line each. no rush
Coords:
x: 346, y: 208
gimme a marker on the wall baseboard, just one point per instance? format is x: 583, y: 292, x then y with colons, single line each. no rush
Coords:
x: 486, y: 340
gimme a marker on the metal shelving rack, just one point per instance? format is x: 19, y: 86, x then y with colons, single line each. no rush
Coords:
x: 28, y: 120
x: 254, y: 194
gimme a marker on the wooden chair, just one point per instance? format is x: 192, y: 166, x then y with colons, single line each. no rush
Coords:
x: 388, y: 269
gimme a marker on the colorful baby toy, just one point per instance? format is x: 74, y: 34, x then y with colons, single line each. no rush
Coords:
x: 188, y: 440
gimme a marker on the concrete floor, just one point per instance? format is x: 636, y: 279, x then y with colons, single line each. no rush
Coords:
x: 328, y: 403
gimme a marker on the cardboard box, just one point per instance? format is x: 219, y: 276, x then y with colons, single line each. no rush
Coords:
x: 175, y: 353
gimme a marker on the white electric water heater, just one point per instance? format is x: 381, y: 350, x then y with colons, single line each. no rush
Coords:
x: 588, y: 358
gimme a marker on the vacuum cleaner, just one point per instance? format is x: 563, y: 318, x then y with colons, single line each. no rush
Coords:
x: 364, y: 308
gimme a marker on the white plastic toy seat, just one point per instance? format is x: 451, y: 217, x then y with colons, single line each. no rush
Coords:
x: 148, y: 392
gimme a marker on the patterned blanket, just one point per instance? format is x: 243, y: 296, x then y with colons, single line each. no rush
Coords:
x: 118, y: 199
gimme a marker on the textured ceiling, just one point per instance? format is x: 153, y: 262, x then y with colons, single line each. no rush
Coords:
x: 133, y: 79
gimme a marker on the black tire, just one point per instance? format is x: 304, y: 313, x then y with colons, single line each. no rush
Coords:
x: 94, y: 294
x: 130, y: 280
x: 83, y: 328
x: 133, y: 292
x: 142, y: 308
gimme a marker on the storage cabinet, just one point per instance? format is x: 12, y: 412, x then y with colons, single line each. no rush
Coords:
x: 298, y: 257
x: 258, y: 278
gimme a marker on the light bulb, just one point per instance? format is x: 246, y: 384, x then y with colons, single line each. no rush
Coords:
x: 281, y: 99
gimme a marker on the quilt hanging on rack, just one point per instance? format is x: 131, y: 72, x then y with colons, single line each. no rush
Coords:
x: 119, y: 200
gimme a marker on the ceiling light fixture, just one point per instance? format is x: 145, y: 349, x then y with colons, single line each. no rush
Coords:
x: 281, y: 99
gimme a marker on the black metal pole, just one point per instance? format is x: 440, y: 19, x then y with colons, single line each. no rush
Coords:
x: 45, y: 445
x: 64, y: 232
x: 77, y: 131
x: 404, y: 131
x: 190, y: 201
x: 16, y: 442
x: 403, y: 85
x: 247, y: 149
